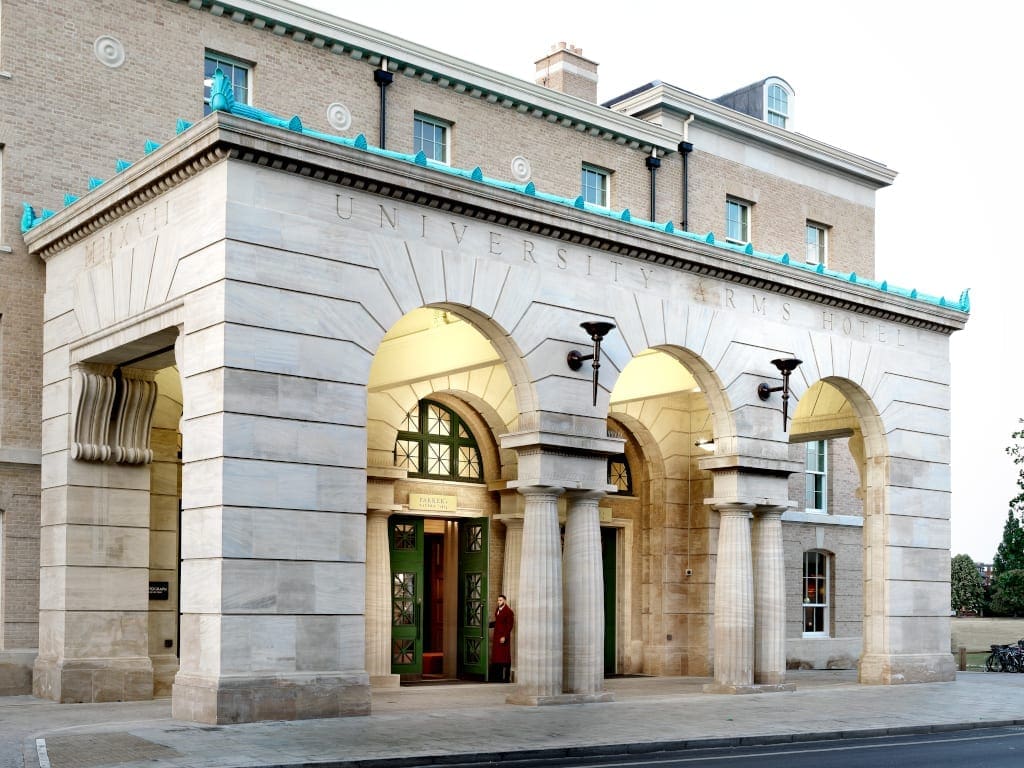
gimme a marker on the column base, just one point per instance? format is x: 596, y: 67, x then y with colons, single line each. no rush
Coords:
x: 752, y: 688
x: 90, y: 681
x: 223, y: 700
x: 903, y: 668
x: 385, y: 681
x: 530, y: 700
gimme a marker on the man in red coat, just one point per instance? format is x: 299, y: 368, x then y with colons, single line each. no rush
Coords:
x: 501, y: 641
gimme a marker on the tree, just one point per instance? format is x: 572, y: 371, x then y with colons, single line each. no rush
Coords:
x: 1008, y: 564
x: 967, y: 590
x: 1008, y: 593
x: 1010, y: 554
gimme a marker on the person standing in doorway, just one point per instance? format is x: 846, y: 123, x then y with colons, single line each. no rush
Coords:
x: 501, y: 641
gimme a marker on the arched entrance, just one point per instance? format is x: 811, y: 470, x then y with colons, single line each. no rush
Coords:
x: 904, y: 490
x: 438, y: 396
x: 666, y: 415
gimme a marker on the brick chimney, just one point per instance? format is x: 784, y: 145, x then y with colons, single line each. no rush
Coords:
x: 564, y: 69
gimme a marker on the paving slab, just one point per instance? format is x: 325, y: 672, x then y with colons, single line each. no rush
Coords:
x: 464, y: 722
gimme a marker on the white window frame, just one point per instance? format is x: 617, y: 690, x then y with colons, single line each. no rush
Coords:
x: 743, y: 220
x: 816, y: 251
x: 241, y: 96
x: 812, y: 588
x: 776, y: 105
x: 775, y: 113
x: 602, y: 192
x: 816, y: 476
x: 437, y: 124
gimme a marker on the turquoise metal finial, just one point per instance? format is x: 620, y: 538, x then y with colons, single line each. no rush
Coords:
x: 222, y: 97
x: 784, y: 259
x: 884, y: 286
x: 710, y: 239
x: 28, y: 218
x: 820, y: 269
x: 181, y: 126
x: 669, y: 227
x: 626, y: 215
x: 69, y: 199
x: 530, y: 189
x: 749, y: 250
x: 295, y: 124
x: 853, y: 277
x: 421, y: 158
x: 94, y: 182
x: 360, y: 142
x: 477, y: 174
x: 579, y: 202
x: 965, y: 300
x: 122, y: 165
x: 151, y: 146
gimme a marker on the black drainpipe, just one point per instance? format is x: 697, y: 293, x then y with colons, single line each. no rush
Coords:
x: 685, y: 148
x: 383, y: 78
x: 653, y: 163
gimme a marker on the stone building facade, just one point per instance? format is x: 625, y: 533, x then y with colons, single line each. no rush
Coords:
x: 289, y: 400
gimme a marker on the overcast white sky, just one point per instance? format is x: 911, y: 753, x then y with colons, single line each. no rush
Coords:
x: 926, y: 88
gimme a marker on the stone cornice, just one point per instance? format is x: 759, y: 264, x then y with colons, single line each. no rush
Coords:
x: 322, y: 30
x: 221, y: 136
x: 721, y: 119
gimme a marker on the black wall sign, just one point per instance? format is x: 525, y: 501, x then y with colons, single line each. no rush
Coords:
x: 159, y: 590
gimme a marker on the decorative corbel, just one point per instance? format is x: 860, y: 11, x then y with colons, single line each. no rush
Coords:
x: 95, y: 387
x: 134, y: 418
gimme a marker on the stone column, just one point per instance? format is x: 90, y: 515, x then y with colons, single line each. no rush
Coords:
x: 734, y: 602
x: 378, y: 600
x: 583, y: 597
x: 510, y: 572
x: 539, y: 614
x: 769, y: 599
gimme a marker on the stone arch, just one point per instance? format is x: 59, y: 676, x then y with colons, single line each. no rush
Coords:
x: 669, y: 403
x: 903, y: 451
x: 490, y: 379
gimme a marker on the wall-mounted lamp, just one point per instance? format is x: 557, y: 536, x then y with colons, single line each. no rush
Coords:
x: 597, y: 329
x: 786, y: 366
x: 706, y: 444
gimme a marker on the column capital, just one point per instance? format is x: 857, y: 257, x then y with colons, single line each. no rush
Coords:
x: 383, y: 511
x: 730, y: 508
x: 554, y: 491
x: 771, y: 510
x: 585, y: 494
x: 509, y: 521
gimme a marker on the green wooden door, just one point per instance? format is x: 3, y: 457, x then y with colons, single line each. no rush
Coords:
x: 472, y: 662
x: 608, y: 536
x: 406, y: 544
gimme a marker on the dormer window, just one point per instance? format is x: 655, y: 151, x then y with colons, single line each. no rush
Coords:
x: 778, y: 105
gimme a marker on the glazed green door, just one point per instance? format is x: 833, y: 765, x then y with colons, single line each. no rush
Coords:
x: 406, y: 544
x: 472, y: 662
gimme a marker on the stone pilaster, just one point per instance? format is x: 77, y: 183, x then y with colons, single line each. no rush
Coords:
x: 94, y: 545
x: 769, y: 598
x: 539, y: 614
x: 378, y: 600
x: 734, y: 602
x: 510, y: 571
x: 583, y: 598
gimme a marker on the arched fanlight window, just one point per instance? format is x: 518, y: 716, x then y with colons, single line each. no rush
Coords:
x: 778, y: 105
x: 619, y: 474
x: 434, y: 442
